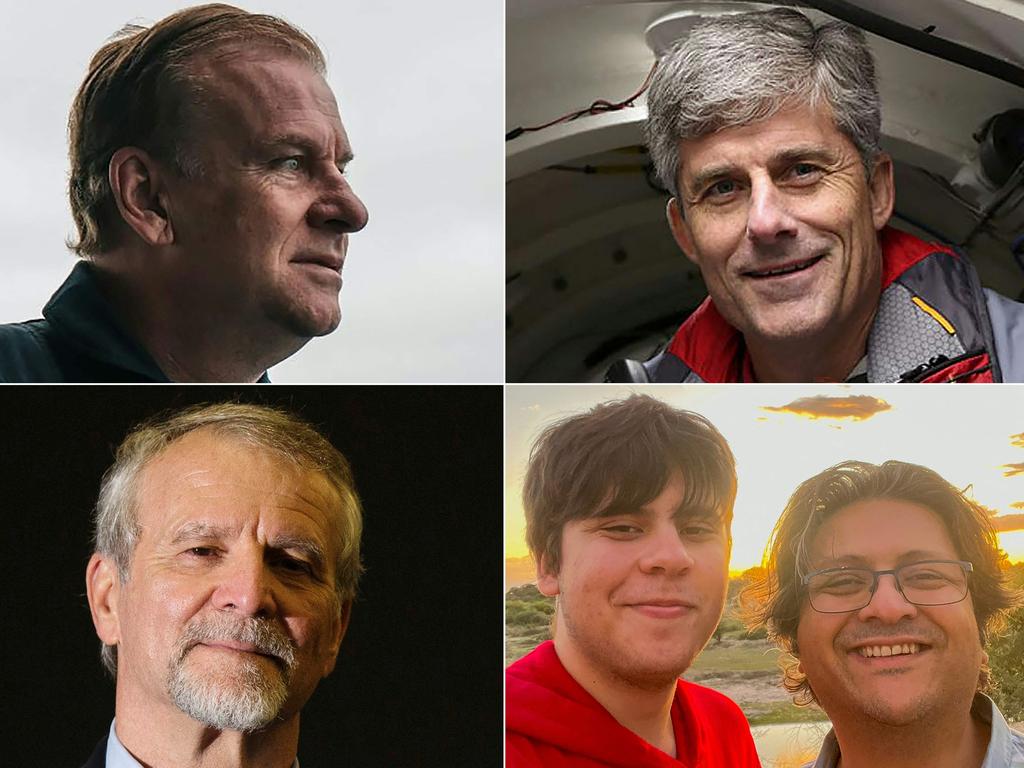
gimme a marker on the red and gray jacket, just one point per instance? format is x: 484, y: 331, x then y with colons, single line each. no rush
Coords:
x: 935, y: 323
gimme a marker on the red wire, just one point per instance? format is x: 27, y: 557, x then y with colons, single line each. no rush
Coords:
x: 599, y: 106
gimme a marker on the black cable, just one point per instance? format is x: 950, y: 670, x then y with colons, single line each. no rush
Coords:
x: 919, y: 40
x: 596, y: 108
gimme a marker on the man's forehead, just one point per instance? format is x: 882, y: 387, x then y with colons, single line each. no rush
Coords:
x: 881, y: 530
x: 266, y: 93
x: 797, y: 128
x: 208, y: 472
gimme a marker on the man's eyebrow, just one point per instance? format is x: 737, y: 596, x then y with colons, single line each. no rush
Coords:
x: 682, y: 512
x: 709, y: 174
x: 784, y: 157
x: 303, y: 544
x: 617, y: 510
x: 917, y: 555
x: 813, y: 152
x: 200, y: 530
x: 303, y: 142
x: 839, y: 561
x: 912, y: 556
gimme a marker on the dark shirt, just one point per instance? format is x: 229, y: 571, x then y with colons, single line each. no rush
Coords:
x: 78, y: 339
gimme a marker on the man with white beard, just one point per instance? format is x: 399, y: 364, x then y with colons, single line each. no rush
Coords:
x: 227, y: 557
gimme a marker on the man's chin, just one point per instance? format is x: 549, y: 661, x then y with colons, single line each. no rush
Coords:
x: 229, y: 705
x: 245, y: 696
x: 795, y: 325
x: 654, y: 671
x: 307, y: 321
x: 893, y: 706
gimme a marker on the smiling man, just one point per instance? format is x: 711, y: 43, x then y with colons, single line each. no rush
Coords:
x: 227, y: 557
x: 766, y: 131
x: 883, y: 582
x: 208, y: 186
x: 628, y: 508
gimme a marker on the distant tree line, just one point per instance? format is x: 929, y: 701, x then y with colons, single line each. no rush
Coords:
x: 527, y: 611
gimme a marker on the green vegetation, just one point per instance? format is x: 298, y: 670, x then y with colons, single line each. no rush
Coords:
x: 744, y: 666
x: 1006, y: 657
x: 782, y: 712
x: 528, y: 616
x: 731, y: 656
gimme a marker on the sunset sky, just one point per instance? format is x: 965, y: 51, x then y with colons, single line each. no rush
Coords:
x: 783, y: 434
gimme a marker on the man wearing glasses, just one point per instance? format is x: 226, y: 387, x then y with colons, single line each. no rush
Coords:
x: 883, y: 582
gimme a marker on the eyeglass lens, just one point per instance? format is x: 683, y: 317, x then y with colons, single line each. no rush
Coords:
x: 850, y: 589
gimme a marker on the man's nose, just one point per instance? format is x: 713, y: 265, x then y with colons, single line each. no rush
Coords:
x: 338, y: 208
x: 246, y: 586
x: 768, y: 218
x: 888, y: 604
x: 665, y: 552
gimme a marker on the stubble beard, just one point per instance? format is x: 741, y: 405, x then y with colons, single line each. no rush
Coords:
x: 245, y: 694
x: 621, y: 664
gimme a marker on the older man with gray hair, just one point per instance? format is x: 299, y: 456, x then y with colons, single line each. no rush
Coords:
x: 765, y: 129
x: 226, y: 562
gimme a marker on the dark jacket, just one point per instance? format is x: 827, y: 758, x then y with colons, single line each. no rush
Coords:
x: 78, y: 340
x: 935, y: 323
x: 98, y: 758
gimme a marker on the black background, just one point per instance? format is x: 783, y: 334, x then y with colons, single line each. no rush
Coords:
x: 418, y: 680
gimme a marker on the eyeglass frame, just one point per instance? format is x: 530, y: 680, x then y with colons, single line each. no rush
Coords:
x: 966, y: 566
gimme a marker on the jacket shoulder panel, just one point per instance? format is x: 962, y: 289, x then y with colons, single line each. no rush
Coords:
x: 27, y: 354
x: 1007, y: 317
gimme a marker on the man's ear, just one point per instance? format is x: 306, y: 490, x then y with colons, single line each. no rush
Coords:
x: 103, y: 587
x: 138, y: 184
x: 547, y: 580
x: 338, y: 630
x: 882, y: 188
x: 680, y: 230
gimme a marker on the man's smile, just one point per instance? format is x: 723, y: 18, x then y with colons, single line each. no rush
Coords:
x: 784, y: 269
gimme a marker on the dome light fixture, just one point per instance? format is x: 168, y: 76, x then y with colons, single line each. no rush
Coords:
x: 664, y: 32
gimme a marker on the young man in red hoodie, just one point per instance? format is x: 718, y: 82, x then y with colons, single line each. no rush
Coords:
x: 628, y: 508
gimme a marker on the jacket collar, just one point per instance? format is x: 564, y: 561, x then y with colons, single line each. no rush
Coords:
x: 715, y: 351
x: 82, y: 315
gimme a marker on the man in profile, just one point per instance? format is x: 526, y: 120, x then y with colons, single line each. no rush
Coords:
x: 765, y: 129
x: 883, y: 582
x: 226, y: 562
x: 208, y: 188
x: 628, y: 509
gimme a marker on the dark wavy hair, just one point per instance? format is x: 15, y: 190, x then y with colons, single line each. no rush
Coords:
x: 620, y: 455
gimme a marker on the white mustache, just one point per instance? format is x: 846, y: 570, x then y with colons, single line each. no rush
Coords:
x: 265, y: 636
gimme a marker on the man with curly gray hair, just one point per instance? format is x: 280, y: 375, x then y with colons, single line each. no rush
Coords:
x: 766, y: 131
x: 226, y: 562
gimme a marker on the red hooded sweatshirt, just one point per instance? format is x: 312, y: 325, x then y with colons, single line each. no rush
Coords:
x: 551, y: 721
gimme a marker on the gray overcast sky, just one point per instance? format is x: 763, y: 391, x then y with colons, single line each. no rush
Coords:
x: 419, y: 86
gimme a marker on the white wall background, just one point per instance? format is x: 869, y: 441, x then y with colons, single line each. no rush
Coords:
x: 420, y: 89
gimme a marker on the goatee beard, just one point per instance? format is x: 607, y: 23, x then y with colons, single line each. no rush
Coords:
x: 244, y: 694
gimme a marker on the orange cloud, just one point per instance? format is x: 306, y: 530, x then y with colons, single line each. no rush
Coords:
x: 1017, y: 505
x: 1017, y: 440
x: 854, y: 407
x: 1013, y: 522
x: 519, y: 570
x: 1013, y: 469
x: 990, y: 511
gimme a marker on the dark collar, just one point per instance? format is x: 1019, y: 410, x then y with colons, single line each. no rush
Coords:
x: 715, y: 351
x: 81, y: 314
